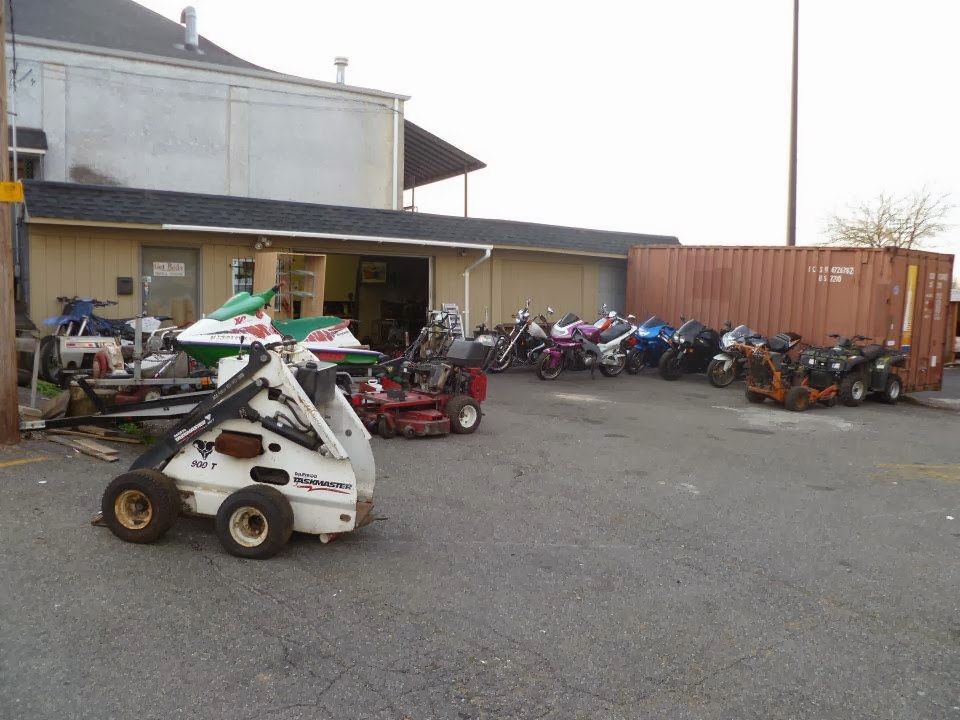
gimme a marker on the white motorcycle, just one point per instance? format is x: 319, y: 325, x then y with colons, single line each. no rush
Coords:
x: 608, y: 335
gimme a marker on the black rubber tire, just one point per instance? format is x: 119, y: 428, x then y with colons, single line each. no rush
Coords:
x: 798, y: 398
x: 853, y: 389
x: 670, y: 365
x: 159, y: 492
x: 830, y: 402
x: 891, y: 391
x: 272, y: 506
x: 495, y: 367
x: 545, y: 374
x: 636, y: 362
x: 385, y: 428
x: 753, y: 397
x: 718, y: 377
x: 614, y: 370
x: 50, y: 369
x: 455, y: 410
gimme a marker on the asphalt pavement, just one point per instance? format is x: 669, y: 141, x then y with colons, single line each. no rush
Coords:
x: 600, y: 548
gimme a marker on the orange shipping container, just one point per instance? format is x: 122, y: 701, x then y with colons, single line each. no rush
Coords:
x: 899, y: 298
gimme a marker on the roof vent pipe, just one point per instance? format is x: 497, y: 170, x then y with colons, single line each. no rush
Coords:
x: 188, y: 18
x: 341, y: 63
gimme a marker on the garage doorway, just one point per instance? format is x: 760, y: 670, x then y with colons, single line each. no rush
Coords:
x: 171, y: 280
x: 388, y: 297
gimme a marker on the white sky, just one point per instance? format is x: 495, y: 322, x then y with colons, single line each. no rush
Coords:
x: 646, y: 116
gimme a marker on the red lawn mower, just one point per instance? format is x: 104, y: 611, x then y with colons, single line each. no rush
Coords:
x: 427, y: 398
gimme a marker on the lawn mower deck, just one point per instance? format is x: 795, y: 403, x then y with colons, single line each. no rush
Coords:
x: 393, y: 410
x: 436, y: 397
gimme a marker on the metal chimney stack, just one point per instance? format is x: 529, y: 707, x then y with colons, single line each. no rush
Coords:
x: 341, y: 63
x: 188, y: 18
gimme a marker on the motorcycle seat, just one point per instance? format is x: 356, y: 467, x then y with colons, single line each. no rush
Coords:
x: 872, y: 352
x: 777, y: 344
x: 613, y: 332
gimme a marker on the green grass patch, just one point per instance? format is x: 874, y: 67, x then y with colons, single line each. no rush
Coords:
x: 137, y: 430
x: 47, y: 389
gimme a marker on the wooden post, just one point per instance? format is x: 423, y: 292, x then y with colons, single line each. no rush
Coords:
x: 9, y: 413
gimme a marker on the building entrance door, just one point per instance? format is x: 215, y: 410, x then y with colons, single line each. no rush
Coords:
x: 171, y: 279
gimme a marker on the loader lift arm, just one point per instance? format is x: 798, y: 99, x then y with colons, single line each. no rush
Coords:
x: 225, y: 403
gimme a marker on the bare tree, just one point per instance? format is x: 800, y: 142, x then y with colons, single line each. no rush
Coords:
x: 889, y: 221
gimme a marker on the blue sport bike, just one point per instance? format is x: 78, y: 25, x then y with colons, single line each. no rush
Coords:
x: 647, y: 344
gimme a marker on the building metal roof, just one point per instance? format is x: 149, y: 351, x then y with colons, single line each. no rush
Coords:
x: 427, y: 158
x: 125, y: 26
x: 116, y: 25
x: 97, y: 203
x: 28, y: 138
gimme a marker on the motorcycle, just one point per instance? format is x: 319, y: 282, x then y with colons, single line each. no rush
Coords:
x: 730, y: 364
x: 78, y: 318
x: 577, y: 345
x: 80, y: 335
x: 692, y: 345
x: 646, y: 344
x: 522, y: 342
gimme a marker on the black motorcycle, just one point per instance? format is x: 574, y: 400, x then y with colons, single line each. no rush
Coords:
x: 855, y: 369
x: 692, y: 347
x: 522, y: 343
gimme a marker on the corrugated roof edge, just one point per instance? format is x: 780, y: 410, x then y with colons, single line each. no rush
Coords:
x: 73, y: 201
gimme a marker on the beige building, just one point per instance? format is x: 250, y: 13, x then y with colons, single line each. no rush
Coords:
x: 184, y: 254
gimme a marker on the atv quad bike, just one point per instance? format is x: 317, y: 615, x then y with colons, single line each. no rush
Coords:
x: 855, y: 370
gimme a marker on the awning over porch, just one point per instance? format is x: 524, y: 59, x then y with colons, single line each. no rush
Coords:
x: 428, y: 159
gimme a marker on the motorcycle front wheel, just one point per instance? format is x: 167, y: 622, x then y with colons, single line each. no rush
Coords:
x: 719, y: 377
x: 671, y: 365
x: 501, y: 359
x: 548, y: 373
x: 636, y: 362
x: 614, y: 370
x: 50, y: 366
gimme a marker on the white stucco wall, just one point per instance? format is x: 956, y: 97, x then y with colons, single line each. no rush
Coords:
x: 142, y: 122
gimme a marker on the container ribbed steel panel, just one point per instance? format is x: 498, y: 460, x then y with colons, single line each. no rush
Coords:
x: 899, y: 298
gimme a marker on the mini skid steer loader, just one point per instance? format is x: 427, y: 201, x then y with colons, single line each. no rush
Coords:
x: 276, y: 448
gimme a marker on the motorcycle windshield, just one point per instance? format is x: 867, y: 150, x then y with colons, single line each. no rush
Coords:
x: 739, y: 334
x: 569, y: 319
x: 651, y: 323
x: 689, y: 330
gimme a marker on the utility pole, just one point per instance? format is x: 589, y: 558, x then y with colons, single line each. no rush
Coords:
x: 792, y: 172
x: 9, y: 411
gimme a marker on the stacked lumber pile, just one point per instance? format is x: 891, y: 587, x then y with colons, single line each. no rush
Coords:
x: 90, y: 440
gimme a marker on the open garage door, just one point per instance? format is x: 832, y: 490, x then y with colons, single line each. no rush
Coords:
x: 386, y: 295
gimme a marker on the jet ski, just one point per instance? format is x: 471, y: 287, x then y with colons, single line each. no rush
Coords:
x: 243, y: 319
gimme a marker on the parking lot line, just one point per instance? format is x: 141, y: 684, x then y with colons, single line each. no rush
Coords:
x: 23, y: 461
